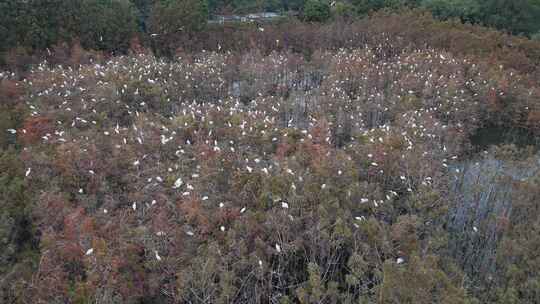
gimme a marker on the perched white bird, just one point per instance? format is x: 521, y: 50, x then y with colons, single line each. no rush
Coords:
x: 157, y: 255
x: 178, y: 183
x: 278, y: 248
x: 400, y: 260
x: 89, y: 251
x: 134, y: 206
x: 28, y: 172
x: 12, y: 131
x: 243, y: 210
x: 284, y: 205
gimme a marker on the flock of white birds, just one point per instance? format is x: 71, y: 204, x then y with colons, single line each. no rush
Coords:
x: 176, y: 126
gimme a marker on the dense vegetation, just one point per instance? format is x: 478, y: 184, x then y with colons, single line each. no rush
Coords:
x: 387, y: 159
x: 28, y: 27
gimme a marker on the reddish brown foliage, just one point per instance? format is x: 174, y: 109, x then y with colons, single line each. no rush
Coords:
x: 135, y: 46
x: 9, y: 91
x: 34, y: 128
x: 195, y: 214
x: 284, y: 149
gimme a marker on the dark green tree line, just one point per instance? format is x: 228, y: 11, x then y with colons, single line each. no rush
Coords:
x: 39, y: 24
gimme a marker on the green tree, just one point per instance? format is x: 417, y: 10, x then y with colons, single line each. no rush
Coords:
x: 245, y: 6
x: 466, y: 10
x: 294, y: 5
x: 176, y: 16
x: 174, y: 22
x: 343, y: 10
x: 317, y: 10
x: 38, y: 24
x: 113, y: 26
x: 363, y: 7
x: 516, y: 16
x: 10, y: 25
x: 144, y: 8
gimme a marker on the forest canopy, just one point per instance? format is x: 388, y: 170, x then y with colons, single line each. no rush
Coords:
x: 111, y: 24
x: 364, y: 151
